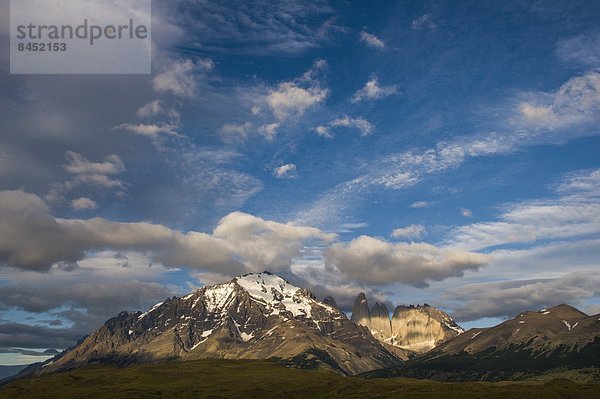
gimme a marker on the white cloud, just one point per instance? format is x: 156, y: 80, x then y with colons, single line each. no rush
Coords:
x: 576, y: 212
x: 151, y: 130
x: 582, y: 183
x: 582, y: 49
x: 84, y: 172
x: 36, y: 240
x: 372, y: 91
x: 269, y: 131
x: 287, y: 171
x: 420, y: 204
x: 359, y: 123
x: 287, y: 102
x: 83, y: 203
x: 466, y: 212
x: 414, y: 231
x: 324, y: 131
x: 374, y: 261
x: 78, y: 165
x: 371, y: 40
x: 256, y: 110
x: 206, y: 64
x: 266, y: 245
x: 425, y: 21
x: 290, y: 100
x: 509, y: 298
x: 575, y: 102
x: 232, y: 132
x: 363, y: 126
x: 151, y: 109
x: 177, y: 78
x: 405, y: 169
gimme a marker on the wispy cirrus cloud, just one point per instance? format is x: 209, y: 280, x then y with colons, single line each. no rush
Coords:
x: 258, y: 27
x: 414, y: 231
x: 362, y: 125
x: 371, y: 40
x: 574, y: 213
x: 425, y: 21
x: 574, y: 105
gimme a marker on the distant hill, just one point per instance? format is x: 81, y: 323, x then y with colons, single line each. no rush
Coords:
x: 532, y: 343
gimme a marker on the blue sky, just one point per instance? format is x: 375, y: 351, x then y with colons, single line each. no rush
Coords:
x: 439, y: 152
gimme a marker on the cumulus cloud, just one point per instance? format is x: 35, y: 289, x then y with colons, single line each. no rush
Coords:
x: 371, y: 40
x: 374, y: 261
x: 287, y: 171
x: 177, y: 78
x: 576, y: 102
x: 83, y: 203
x: 287, y: 102
x: 36, y: 240
x: 292, y: 99
x: 266, y: 245
x: 413, y: 231
x: 372, y: 91
x: 509, y: 298
x: 288, y: 99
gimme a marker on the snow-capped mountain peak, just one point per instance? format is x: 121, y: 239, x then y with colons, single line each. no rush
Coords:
x: 256, y: 316
x: 277, y: 294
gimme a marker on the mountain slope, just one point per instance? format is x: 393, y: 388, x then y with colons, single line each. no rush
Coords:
x: 256, y: 316
x: 416, y: 329
x: 529, y: 344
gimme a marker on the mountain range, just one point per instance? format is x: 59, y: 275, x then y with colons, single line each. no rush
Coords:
x: 262, y: 316
x: 256, y: 316
x: 530, y: 344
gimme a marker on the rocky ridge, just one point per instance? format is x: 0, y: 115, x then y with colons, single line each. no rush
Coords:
x: 417, y: 329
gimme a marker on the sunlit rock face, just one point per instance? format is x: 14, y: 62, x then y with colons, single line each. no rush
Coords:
x: 360, y: 311
x: 380, y: 326
x: 414, y: 328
